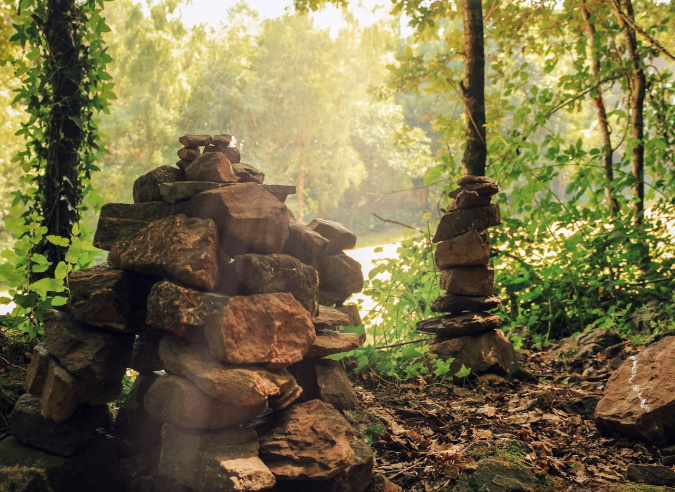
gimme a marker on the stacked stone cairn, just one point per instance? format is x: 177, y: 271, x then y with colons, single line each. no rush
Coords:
x: 211, y: 294
x: 468, y: 333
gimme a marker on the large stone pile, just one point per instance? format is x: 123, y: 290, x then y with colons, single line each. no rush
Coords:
x: 468, y: 333
x: 212, y: 294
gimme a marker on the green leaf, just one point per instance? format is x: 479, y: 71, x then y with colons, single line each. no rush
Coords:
x: 58, y: 240
x: 463, y: 372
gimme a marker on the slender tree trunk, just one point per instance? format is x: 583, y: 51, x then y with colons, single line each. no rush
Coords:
x: 601, y: 113
x: 473, y: 89
x: 300, y: 192
x: 638, y: 88
x: 59, y: 188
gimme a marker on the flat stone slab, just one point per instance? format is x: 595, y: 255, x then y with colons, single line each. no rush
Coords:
x: 457, y: 325
x: 329, y: 317
x: 469, y: 199
x: 454, y: 303
x: 468, y: 281
x: 248, y: 174
x: 195, y: 140
x: 464, y: 250
x: 340, y: 273
x: 304, y: 244
x: 122, y: 222
x: 184, y: 190
x: 330, y: 342
x: 486, y: 352
x: 461, y: 221
x: 146, y: 187
x: 339, y: 237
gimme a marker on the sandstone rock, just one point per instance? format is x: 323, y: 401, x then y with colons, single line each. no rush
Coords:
x: 247, y: 385
x: 584, y: 344
x: 222, y: 140
x: 188, y: 153
x: 280, y: 192
x: 28, y: 469
x: 181, y: 310
x: 658, y: 475
x: 183, y: 190
x: 639, y: 399
x: 332, y: 299
x: 352, y: 311
x: 468, y: 281
x: 464, y: 250
x: 340, y: 273
x: 175, y: 400
x: 471, y: 179
x: 224, y: 461
x: 304, y: 244
x: 311, y: 441
x: 36, y: 373
x: 96, y: 356
x: 195, y: 140
x: 211, y: 167
x: 333, y: 342
x: 458, y: 325
x: 109, y: 298
x: 469, y: 199
x: 335, y: 387
x: 177, y: 247
x: 329, y: 317
x: 145, y: 352
x: 121, y: 222
x: 267, y: 274
x: 464, y: 220
x: 381, y: 483
x: 183, y: 163
x: 248, y: 174
x: 339, y: 237
x: 232, y: 153
x: 500, y: 476
x: 289, y: 395
x: 483, y: 189
x: 59, y: 393
x: 249, y: 219
x: 146, y: 188
x: 271, y: 329
x: 487, y: 352
x: 27, y: 424
x: 453, y: 303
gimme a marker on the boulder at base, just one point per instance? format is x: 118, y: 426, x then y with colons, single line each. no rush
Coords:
x: 639, y: 399
x: 487, y: 352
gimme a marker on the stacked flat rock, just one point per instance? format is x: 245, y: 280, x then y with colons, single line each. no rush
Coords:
x: 468, y: 332
x: 212, y: 294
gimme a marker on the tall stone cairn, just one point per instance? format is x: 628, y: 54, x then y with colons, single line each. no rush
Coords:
x: 468, y: 333
x: 225, y: 306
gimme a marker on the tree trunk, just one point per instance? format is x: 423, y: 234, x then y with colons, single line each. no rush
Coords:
x: 601, y: 113
x: 59, y: 188
x: 638, y: 88
x: 473, y: 89
x: 300, y: 190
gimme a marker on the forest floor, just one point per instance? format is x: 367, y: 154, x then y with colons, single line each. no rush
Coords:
x: 541, y: 422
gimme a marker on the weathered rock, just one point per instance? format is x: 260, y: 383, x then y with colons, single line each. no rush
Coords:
x: 487, y: 352
x: 464, y: 250
x: 145, y: 352
x: 249, y: 219
x: 195, y: 140
x: 178, y: 248
x: 59, y: 393
x: 248, y: 385
x: 36, y: 373
x: 352, y: 311
x: 222, y: 140
x: 458, y: 325
x: 223, y: 461
x: 93, y: 355
x: 121, y: 222
x: 651, y: 474
x: 471, y: 179
x: 586, y: 343
x: 271, y: 329
x: 281, y: 192
x: 380, y: 483
x: 183, y: 190
x: 146, y: 187
x: 183, y: 163
x: 232, y: 153
x: 461, y: 221
x: 188, y: 153
x: 329, y: 317
x: 335, y: 387
x: 304, y: 244
x: 267, y: 274
x: 468, y: 281
x: 340, y: 273
x: 639, y: 399
x: 330, y: 342
x: 332, y: 299
x: 453, y: 303
x: 27, y: 424
x: 176, y: 400
x: 211, y: 166
x: 311, y: 441
x: 469, y: 199
x: 500, y: 476
x: 339, y: 237
x: 181, y: 310
x: 483, y: 189
x: 109, y: 298
x: 28, y: 469
x: 290, y: 395
x: 248, y: 174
